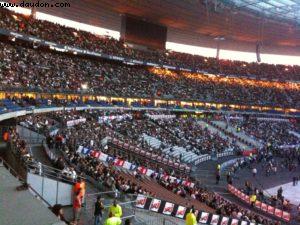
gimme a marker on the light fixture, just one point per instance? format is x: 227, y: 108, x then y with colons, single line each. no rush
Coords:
x: 84, y: 86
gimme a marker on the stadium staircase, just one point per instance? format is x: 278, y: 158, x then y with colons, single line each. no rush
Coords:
x: 243, y: 140
x: 175, y: 151
x: 187, y: 156
x: 217, y: 130
x: 34, y: 142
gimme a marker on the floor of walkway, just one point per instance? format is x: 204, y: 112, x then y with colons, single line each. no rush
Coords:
x: 21, y: 207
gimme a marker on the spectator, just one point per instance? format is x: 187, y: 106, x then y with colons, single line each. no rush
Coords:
x: 77, y: 203
x: 98, y: 212
x: 254, y: 172
x: 279, y: 193
x: 218, y: 176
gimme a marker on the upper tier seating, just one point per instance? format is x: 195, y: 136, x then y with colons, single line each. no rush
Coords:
x: 34, y: 70
x: 85, y: 40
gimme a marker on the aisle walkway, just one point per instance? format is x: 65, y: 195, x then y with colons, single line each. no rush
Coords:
x: 289, y: 192
x: 21, y: 207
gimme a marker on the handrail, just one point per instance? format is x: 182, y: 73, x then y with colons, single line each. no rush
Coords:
x: 52, y: 172
x: 22, y: 180
x: 101, y: 193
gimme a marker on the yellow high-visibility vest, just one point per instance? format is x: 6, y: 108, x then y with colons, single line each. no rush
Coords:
x: 252, y: 198
x: 116, y: 210
x: 113, y: 221
x: 190, y: 219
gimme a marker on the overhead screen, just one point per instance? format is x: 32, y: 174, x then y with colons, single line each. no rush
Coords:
x: 141, y: 32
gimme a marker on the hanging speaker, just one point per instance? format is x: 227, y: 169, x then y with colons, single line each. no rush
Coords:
x: 258, y: 48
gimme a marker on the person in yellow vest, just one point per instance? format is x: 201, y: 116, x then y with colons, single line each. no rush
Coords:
x: 253, y: 199
x: 113, y: 220
x: 218, y: 167
x: 190, y: 218
x: 116, y: 209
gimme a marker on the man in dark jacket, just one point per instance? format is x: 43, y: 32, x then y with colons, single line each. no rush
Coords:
x: 98, y: 211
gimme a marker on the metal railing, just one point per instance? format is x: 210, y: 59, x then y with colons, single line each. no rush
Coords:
x: 128, y: 206
x: 15, y: 174
x: 51, y: 172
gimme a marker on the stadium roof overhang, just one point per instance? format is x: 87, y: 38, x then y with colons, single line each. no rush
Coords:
x: 273, y: 22
x: 242, y: 20
x: 284, y: 10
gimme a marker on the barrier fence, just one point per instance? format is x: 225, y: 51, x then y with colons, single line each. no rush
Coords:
x: 30, y: 188
x: 107, y: 197
x: 206, y: 157
x: 180, y: 212
x: 280, y: 214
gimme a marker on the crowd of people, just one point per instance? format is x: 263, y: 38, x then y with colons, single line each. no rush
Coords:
x: 30, y: 69
x: 89, y: 132
x: 215, y: 201
x: 85, y: 40
x: 197, y: 138
x: 268, y: 162
x: 269, y: 132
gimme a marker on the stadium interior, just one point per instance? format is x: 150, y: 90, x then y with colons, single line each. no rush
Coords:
x: 138, y: 112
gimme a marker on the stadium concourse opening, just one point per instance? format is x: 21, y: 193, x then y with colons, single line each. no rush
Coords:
x: 102, y: 123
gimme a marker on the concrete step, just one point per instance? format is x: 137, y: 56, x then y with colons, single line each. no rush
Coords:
x: 241, y: 135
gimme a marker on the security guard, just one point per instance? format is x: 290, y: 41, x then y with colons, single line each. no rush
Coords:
x: 115, y: 209
x: 113, y: 220
x: 190, y: 218
x: 253, y: 199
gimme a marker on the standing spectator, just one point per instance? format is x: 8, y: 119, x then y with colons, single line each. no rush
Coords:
x: 80, y: 185
x: 294, y: 180
x: 98, y: 213
x: 229, y: 178
x: 77, y: 207
x: 254, y: 171
x: 218, y: 176
x: 279, y: 193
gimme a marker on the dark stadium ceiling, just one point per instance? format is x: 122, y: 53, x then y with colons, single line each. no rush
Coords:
x: 214, y: 18
x: 288, y: 10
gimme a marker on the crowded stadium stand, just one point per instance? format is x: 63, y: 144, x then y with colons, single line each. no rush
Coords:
x: 149, y: 112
